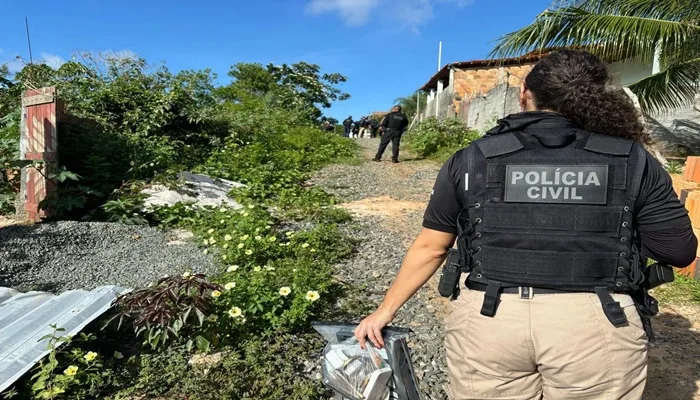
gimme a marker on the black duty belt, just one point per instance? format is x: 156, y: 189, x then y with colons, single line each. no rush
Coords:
x: 521, y: 290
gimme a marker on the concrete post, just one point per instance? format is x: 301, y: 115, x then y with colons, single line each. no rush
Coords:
x: 437, y: 99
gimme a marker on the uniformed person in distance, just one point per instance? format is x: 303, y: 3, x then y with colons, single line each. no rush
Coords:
x: 392, y: 126
x: 555, y: 212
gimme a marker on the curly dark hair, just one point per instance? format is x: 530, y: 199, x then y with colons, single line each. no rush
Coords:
x: 574, y: 84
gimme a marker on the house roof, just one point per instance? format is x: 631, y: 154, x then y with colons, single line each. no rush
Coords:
x: 444, y: 73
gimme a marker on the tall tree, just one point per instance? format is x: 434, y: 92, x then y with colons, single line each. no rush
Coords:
x: 618, y: 30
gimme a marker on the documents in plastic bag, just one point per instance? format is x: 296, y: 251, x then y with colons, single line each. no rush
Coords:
x: 369, y: 374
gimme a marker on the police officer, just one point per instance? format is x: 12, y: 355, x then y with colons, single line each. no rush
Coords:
x: 347, y: 124
x: 555, y: 212
x: 392, y: 126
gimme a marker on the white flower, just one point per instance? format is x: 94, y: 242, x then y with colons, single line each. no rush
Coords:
x: 206, y: 242
x: 210, y: 231
x: 186, y: 274
x: 232, y: 268
x: 257, y: 268
x: 285, y: 291
x: 245, y: 214
x: 118, y: 355
x: 258, y: 237
x: 222, y: 221
x: 313, y: 250
x: 212, y: 240
x: 272, y: 238
x: 248, y: 252
x: 230, y: 285
x: 312, y: 295
x: 206, y: 251
x: 241, y: 245
x: 228, y: 238
x: 244, y: 237
x: 223, y: 210
x: 212, y: 318
x: 305, y: 245
x: 289, y: 233
x: 215, y: 294
x: 235, y: 312
x: 251, y: 206
x: 225, y: 246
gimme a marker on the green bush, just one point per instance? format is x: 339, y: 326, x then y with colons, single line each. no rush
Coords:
x: 439, y: 138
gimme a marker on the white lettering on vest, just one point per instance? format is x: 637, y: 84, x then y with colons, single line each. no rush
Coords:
x: 531, y: 192
x: 517, y: 175
x: 531, y: 178
x: 592, y: 179
x: 568, y: 181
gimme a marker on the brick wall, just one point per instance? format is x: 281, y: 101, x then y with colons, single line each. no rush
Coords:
x: 472, y: 82
x: 687, y: 188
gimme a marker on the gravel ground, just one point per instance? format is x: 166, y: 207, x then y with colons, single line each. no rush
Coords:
x: 385, y: 238
x: 69, y: 255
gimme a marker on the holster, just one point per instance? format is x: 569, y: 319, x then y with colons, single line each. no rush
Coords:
x: 451, y: 273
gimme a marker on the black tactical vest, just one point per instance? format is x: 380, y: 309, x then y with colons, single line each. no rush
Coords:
x: 552, y: 211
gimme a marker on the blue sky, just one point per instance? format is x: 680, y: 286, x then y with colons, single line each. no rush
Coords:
x: 386, y: 48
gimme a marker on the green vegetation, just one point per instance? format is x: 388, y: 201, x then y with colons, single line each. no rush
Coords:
x: 439, y: 139
x: 134, y: 125
x: 682, y: 290
x: 619, y: 30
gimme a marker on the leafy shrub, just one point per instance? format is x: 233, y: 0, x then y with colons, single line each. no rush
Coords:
x: 172, y: 307
x: 439, y: 138
x: 269, y: 367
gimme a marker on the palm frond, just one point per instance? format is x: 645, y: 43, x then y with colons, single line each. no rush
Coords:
x: 615, y: 30
x: 675, y: 86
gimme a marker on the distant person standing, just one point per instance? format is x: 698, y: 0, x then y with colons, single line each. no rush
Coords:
x: 392, y: 126
x: 347, y: 124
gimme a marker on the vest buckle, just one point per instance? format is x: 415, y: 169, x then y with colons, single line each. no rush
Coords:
x: 525, y: 292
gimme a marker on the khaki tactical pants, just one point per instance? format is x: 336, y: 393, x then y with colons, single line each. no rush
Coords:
x: 547, y: 346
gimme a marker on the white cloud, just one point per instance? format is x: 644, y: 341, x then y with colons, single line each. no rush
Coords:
x: 409, y: 13
x: 52, y: 60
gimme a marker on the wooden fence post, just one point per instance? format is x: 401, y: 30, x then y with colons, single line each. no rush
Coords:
x: 41, y: 113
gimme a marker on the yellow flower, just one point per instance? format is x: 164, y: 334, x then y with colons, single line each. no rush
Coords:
x: 244, y: 237
x: 206, y: 242
x: 312, y: 295
x: 70, y: 371
x: 251, y: 206
x: 272, y: 238
x: 248, y: 252
x: 313, y: 250
x: 91, y: 355
x: 258, y: 237
x: 215, y: 294
x: 245, y: 214
x: 211, y: 231
x: 285, y: 291
x: 305, y: 245
x: 118, y: 355
x: 289, y: 233
x: 223, y: 221
x: 232, y: 268
x: 212, y: 318
x: 212, y: 240
x: 241, y: 245
x: 225, y: 246
x: 235, y: 312
x: 230, y: 285
x: 228, y: 238
x: 257, y: 269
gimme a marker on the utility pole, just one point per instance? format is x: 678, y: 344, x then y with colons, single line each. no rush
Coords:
x: 440, y: 56
x: 26, y: 24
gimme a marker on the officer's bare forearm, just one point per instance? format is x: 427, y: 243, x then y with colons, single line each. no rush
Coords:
x: 422, y: 260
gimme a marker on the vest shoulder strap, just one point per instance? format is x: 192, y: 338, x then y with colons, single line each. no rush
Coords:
x: 498, y: 145
x: 609, y: 145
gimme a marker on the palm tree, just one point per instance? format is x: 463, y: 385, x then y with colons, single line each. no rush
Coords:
x: 409, y: 104
x: 618, y: 30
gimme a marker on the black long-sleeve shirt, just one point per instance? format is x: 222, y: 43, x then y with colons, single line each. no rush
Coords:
x: 662, y: 222
x: 395, y: 121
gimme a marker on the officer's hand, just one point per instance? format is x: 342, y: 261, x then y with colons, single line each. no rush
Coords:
x: 372, y: 327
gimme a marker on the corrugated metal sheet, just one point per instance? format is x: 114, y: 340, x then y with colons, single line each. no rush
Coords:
x: 26, y: 317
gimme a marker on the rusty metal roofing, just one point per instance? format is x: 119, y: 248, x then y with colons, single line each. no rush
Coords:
x: 26, y: 317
